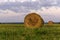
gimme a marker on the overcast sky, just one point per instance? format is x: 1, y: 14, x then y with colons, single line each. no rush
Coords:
x: 16, y: 10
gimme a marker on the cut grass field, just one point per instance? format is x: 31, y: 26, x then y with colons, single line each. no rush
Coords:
x: 19, y: 32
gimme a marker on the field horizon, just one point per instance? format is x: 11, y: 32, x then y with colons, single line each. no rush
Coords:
x: 23, y: 22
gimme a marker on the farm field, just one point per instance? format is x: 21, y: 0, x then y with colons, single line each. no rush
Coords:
x: 19, y: 32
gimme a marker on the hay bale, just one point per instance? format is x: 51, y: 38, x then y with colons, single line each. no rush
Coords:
x: 50, y: 22
x: 33, y: 20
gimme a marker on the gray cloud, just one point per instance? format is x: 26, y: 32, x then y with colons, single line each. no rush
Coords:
x: 26, y: 7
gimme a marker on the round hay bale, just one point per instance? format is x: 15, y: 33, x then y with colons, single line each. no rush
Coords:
x: 33, y: 20
x: 50, y: 22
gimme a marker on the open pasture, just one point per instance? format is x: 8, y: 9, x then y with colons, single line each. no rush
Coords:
x: 19, y: 32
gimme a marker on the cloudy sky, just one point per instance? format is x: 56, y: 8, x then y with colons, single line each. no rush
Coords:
x: 16, y: 10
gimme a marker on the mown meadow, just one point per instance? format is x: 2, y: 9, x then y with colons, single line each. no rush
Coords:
x: 20, y: 32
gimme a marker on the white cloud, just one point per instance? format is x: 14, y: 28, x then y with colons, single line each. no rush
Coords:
x: 34, y: 0
x: 54, y: 10
x: 7, y: 13
x: 16, y: 0
x: 11, y: 16
x: 51, y: 13
x: 21, y: 0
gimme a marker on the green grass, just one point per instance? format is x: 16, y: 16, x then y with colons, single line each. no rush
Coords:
x: 19, y: 32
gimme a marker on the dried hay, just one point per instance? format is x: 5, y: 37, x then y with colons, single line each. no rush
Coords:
x: 50, y: 22
x: 33, y: 20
